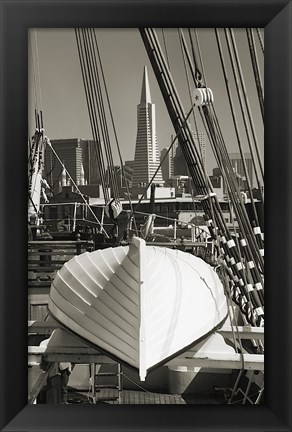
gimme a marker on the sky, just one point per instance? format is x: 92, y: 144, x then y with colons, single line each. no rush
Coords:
x: 56, y: 87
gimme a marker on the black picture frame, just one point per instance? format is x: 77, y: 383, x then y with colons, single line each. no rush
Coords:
x: 16, y: 18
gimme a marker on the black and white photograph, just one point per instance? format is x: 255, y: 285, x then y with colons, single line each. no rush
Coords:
x: 146, y: 216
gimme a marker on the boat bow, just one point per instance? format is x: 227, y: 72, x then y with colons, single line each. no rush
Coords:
x: 140, y: 304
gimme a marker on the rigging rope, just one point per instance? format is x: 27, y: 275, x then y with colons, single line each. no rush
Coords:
x: 235, y: 123
x: 95, y: 88
x: 215, y: 139
x: 34, y: 75
x: 260, y: 40
x: 244, y: 281
x: 192, y: 102
x: 198, y: 74
x: 240, y: 74
x: 114, y: 130
x: 204, y: 82
x: 39, y: 75
x: 255, y: 66
x: 91, y: 107
x: 165, y: 48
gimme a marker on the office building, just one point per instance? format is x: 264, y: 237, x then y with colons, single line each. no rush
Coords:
x: 79, y: 159
x: 146, y: 159
x: 238, y: 168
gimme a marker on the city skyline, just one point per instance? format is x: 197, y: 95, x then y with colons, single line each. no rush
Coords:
x: 62, y: 96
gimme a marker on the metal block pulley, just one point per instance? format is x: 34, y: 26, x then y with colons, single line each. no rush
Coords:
x: 203, y: 96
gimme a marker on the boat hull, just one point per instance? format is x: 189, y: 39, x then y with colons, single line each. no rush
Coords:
x: 140, y: 304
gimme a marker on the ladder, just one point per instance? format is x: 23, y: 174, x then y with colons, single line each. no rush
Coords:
x: 112, y: 390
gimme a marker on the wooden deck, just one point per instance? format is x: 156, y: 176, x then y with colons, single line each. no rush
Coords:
x: 133, y: 397
x: 130, y: 397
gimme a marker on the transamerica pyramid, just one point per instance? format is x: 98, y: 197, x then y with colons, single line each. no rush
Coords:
x: 147, y: 158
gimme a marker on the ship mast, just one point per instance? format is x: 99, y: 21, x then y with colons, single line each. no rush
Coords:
x: 36, y: 183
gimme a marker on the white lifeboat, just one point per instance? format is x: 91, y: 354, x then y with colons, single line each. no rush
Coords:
x: 140, y: 304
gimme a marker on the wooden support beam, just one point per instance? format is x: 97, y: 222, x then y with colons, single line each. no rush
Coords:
x: 79, y: 358
x: 39, y: 284
x: 178, y: 244
x: 60, y: 243
x: 77, y: 355
x: 64, y: 347
x: 220, y: 361
x: 42, y: 327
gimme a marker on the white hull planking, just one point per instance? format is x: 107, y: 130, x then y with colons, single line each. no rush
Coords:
x: 141, y: 304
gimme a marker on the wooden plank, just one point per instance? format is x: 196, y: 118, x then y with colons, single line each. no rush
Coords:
x: 220, y: 361
x: 43, y: 269
x: 177, y: 244
x: 245, y: 332
x: 81, y: 358
x: 71, y: 252
x: 75, y: 356
x: 41, y: 327
x: 39, y: 284
x: 51, y: 261
x: 59, y: 243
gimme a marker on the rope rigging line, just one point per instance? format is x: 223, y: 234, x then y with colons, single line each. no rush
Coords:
x: 244, y: 120
x: 36, y: 103
x: 91, y: 109
x: 198, y: 73
x: 226, y: 156
x: 165, y: 48
x: 110, y: 112
x: 36, y: 80
x: 245, y: 97
x: 95, y: 89
x: 181, y: 127
x: 234, y: 191
x: 256, y: 70
x: 111, y: 168
x: 114, y: 129
x: 39, y: 75
x: 95, y: 118
x: 215, y: 143
x: 204, y: 80
x: 235, y: 125
x: 192, y: 102
x: 243, y: 280
x: 180, y: 32
x: 260, y: 40
x: 235, y: 122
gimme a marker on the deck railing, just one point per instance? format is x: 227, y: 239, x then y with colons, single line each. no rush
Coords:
x: 46, y: 257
